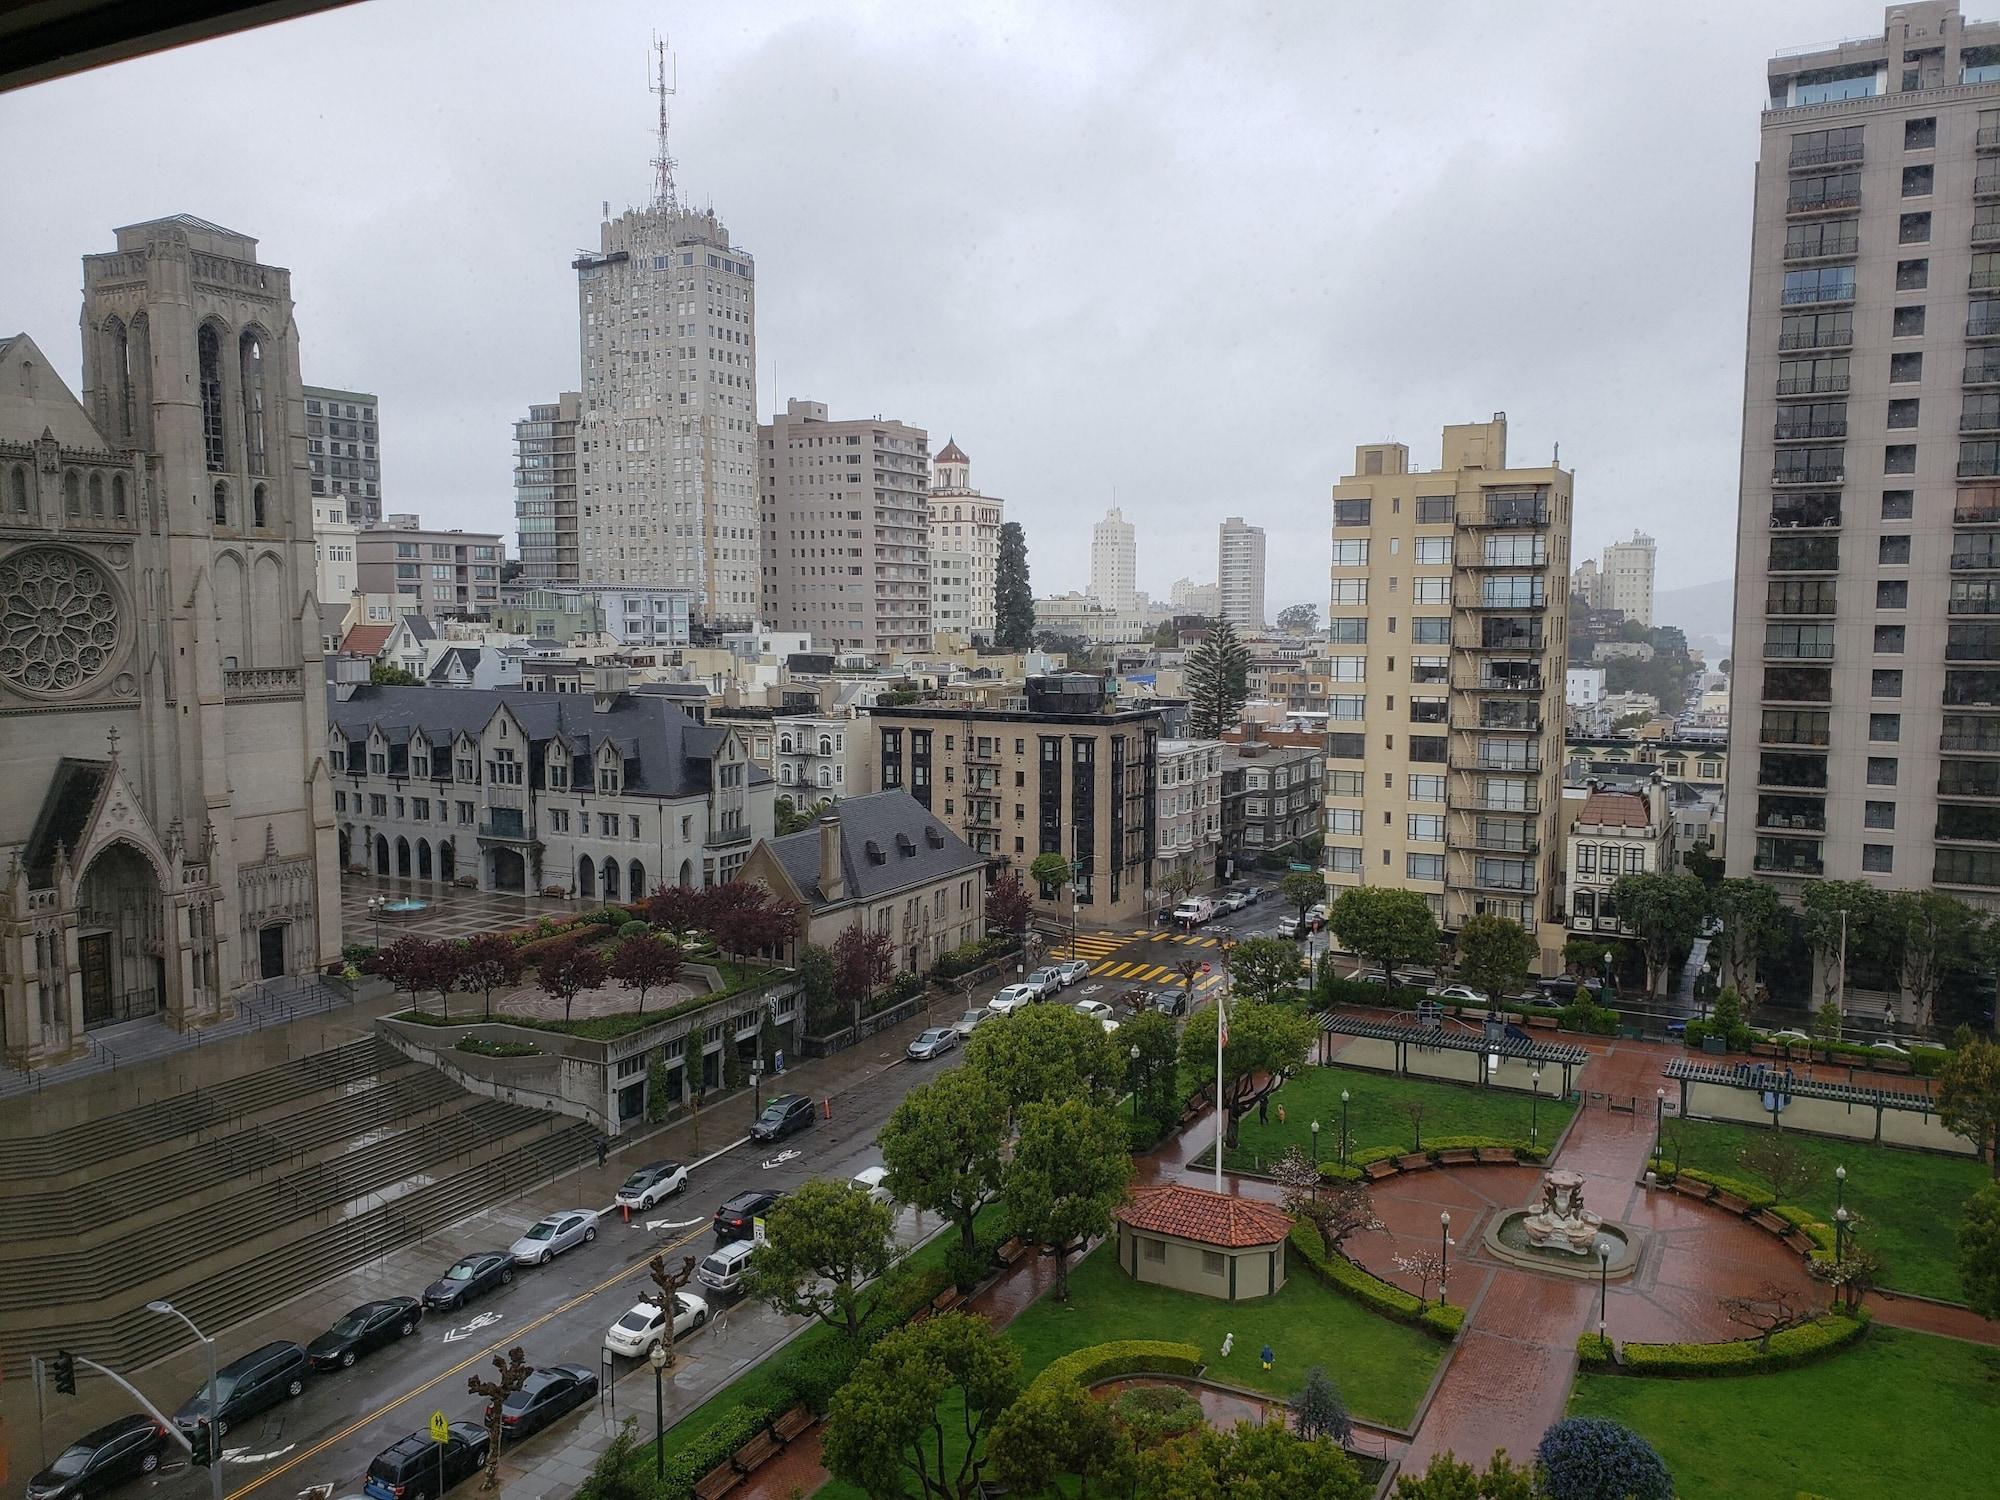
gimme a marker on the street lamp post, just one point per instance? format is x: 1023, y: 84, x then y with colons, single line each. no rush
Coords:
x: 1535, y: 1107
x: 658, y: 1359
x: 1343, y: 1127
x: 214, y: 1394
x: 1840, y: 1186
x: 1603, y: 1248
x: 1444, y: 1264
x: 1315, y: 1131
x: 1135, y: 1082
x: 1840, y: 1233
x: 757, y: 1082
x: 375, y: 916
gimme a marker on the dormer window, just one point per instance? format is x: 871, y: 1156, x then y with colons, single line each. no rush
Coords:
x: 905, y: 845
x: 378, y: 763
x: 874, y: 852
x: 558, y: 769
x: 337, y: 757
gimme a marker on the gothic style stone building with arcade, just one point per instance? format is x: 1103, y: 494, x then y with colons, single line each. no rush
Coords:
x: 166, y: 821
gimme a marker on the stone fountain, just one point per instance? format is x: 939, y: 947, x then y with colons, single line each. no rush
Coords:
x: 1562, y: 1222
x: 1559, y: 1234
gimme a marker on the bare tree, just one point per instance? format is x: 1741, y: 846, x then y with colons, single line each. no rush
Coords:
x: 1782, y: 1163
x: 1414, y: 1108
x: 1336, y: 1209
x: 513, y: 1372
x: 1772, y: 1309
x: 1427, y: 1266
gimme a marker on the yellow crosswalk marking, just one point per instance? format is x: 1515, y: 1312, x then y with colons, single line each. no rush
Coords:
x: 1208, y: 942
x: 1210, y: 982
x: 1161, y: 937
x: 1116, y: 971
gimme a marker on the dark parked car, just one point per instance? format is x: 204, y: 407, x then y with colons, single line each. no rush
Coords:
x: 277, y: 1372
x: 1169, y: 1002
x: 364, y: 1329
x: 474, y: 1275
x: 737, y: 1219
x: 547, y: 1394
x: 785, y: 1115
x: 101, y: 1460
x: 409, y: 1468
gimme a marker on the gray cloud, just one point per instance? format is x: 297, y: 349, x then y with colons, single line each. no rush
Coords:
x: 1185, y: 251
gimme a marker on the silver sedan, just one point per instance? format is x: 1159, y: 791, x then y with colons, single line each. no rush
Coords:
x: 547, y: 1238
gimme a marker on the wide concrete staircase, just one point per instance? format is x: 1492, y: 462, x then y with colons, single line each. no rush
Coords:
x: 232, y: 1197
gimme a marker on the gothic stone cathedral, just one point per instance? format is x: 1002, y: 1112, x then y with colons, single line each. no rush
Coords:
x: 166, y: 827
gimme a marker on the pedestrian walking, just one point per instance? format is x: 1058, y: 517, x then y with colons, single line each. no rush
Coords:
x: 1264, y: 1109
x: 603, y: 1150
x: 1268, y: 1357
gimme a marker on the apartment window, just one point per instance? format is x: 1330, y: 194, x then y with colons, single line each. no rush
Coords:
x: 1879, y: 814
x: 1346, y: 706
x: 1430, y: 630
x: 1347, y: 632
x: 1892, y: 593
x: 1914, y: 229
x: 1909, y: 323
x: 1424, y: 866
x: 1347, y: 746
x: 1586, y: 859
x: 1351, y: 512
x: 1898, y: 505
x: 463, y: 812
x: 1885, y: 728
x: 1881, y: 770
x: 1426, y: 788
x: 1343, y: 783
x: 1347, y: 668
x: 1903, y: 414
x: 1888, y: 640
x: 1425, y: 828
x: 1433, y: 551
x: 558, y: 820
x: 1899, y: 458
x: 1878, y: 858
x: 1427, y: 749
x: 1812, y: 284
x: 1912, y: 275
x: 1212, y: 1263
x: 1350, y: 591
x: 1343, y: 859
x: 1886, y: 682
x: 1351, y: 554
x: 1917, y: 181
x: 1893, y: 550
x: 1344, y: 820
x: 1920, y: 135
x: 378, y: 805
x: 1434, y: 510
x: 1906, y: 369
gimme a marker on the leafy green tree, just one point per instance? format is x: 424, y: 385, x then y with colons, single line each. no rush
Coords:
x: 1070, y: 1169
x: 828, y: 1249
x: 1266, y: 1045
x: 657, y: 1100
x: 793, y: 818
x: 1827, y: 1022
x: 1299, y: 619
x: 1495, y: 955
x: 1318, y: 1411
x: 1702, y: 863
x: 1013, y: 599
x: 942, y: 1148
x: 1979, y: 1252
x: 1266, y: 968
x: 1051, y: 872
x: 1046, y: 1052
x: 1445, y: 1478
x: 1385, y: 925
x: 816, y: 985
x: 1178, y: 882
x: 1055, y: 1433
x: 920, y: 1406
x: 1217, y: 682
x: 1593, y: 1458
x: 1154, y: 1076
x: 1753, y: 919
x: 1936, y: 933
x: 384, y: 674
x: 1821, y: 905
x: 1260, y: 1461
x: 1303, y: 889
x: 1665, y: 911
x: 1968, y: 1093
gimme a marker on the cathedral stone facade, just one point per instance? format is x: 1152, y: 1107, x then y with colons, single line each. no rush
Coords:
x: 166, y: 821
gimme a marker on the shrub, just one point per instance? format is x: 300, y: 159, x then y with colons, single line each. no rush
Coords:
x: 634, y: 929
x: 1333, y: 1171
x: 1820, y: 1233
x: 1344, y: 1276
x: 1152, y: 1413
x: 485, y: 1048
x: 1790, y: 1346
x: 819, y: 1369
x: 605, y: 916
x: 1591, y: 1458
x: 1088, y: 1366
x: 1592, y: 1352
x: 1750, y: 1193
x: 688, y: 1462
x: 1587, y: 1016
x: 356, y: 954
x: 904, y: 986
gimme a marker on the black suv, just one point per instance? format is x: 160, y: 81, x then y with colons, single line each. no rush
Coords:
x: 274, y: 1373
x: 408, y: 1469
x: 101, y: 1460
x: 737, y: 1219
x: 785, y: 1115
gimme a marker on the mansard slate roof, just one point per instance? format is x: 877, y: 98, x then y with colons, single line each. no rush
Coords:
x: 666, y: 753
x: 928, y: 851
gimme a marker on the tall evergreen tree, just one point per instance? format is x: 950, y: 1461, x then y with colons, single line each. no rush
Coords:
x: 1013, y: 601
x: 1218, y: 682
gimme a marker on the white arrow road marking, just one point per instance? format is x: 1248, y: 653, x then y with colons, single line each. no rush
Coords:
x: 655, y: 1225
x: 317, y: 1492
x: 245, y: 1456
x: 484, y: 1320
x: 780, y: 1159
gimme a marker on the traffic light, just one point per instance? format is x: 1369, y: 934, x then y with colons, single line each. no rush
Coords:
x: 65, y: 1372
x: 199, y: 1450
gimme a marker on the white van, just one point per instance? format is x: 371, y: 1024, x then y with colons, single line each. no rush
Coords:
x: 1194, y: 911
x: 724, y: 1267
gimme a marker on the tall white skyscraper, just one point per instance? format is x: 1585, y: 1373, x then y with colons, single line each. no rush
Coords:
x: 1114, y: 562
x: 1626, y: 581
x: 666, y: 449
x: 1239, y: 574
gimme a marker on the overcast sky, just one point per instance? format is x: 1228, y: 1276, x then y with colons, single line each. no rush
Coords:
x: 1189, y: 254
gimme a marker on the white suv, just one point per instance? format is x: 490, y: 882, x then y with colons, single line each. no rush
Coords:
x: 1070, y: 970
x: 1012, y: 999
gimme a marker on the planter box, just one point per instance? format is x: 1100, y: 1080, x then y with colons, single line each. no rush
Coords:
x: 1715, y: 1046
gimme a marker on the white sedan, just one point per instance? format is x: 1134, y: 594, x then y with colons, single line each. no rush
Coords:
x: 1463, y: 994
x: 635, y: 1334
x: 1097, y: 1010
x: 1012, y: 999
x: 870, y: 1180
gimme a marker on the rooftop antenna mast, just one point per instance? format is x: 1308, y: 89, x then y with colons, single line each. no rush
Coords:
x: 663, y: 164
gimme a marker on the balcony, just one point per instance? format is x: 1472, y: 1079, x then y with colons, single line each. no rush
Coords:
x: 1792, y: 515
x: 1980, y: 372
x: 508, y: 832
x: 1988, y: 139
x: 1976, y: 559
x: 1838, y: 247
x: 1518, y: 641
x: 1795, y: 431
x: 1517, y: 764
x: 1788, y: 864
x: 1986, y: 185
x: 1972, y: 742
x: 1830, y: 294
x: 1492, y: 880
x: 1527, y: 806
x: 1984, y: 418
x: 1534, y: 598
x: 1801, y: 207
x: 1816, y: 385
x: 1501, y: 841
x: 724, y: 838
x: 1841, y: 337
x: 1522, y: 683
x: 1810, y: 474
x: 1953, y: 784
x: 1982, y: 327
x: 1806, y: 157
x: 1508, y: 510
x: 1472, y: 724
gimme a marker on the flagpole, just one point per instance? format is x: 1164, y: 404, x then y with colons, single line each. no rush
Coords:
x: 1221, y: 1035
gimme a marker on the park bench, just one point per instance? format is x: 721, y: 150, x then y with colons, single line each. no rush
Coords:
x: 760, y: 1449
x: 1459, y: 1156
x: 1375, y: 1171
x: 1503, y: 1155
x: 1766, y: 1220
x: 1416, y: 1161
x: 718, y: 1481
x: 799, y: 1419
x: 946, y: 1300
x: 1799, y: 1240
x: 1011, y: 1250
x: 1546, y: 1023
x: 1890, y: 1065
x: 1688, y: 1187
x: 1730, y: 1202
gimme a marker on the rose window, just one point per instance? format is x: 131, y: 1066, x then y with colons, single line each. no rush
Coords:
x: 58, y: 620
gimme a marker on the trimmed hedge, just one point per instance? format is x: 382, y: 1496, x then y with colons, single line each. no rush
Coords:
x: 1344, y: 1276
x: 1086, y: 1367
x: 687, y: 1464
x: 1750, y: 1193
x: 1592, y: 1352
x: 1793, y: 1346
x: 1820, y: 1233
x: 1434, y: 1149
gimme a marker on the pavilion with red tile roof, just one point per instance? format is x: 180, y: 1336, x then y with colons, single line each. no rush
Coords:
x: 1197, y: 1241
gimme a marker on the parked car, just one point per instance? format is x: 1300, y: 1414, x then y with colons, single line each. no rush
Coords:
x: 413, y: 1468
x: 472, y: 1276
x: 547, y: 1393
x: 364, y: 1329
x: 723, y: 1268
x: 1011, y: 999
x: 785, y: 1115
x: 651, y: 1183
x: 1169, y: 1002
x: 1097, y: 1010
x: 102, y: 1459
x: 1234, y: 900
x: 548, y: 1237
x: 277, y: 1372
x: 1290, y: 927
x: 935, y: 1042
x: 966, y: 1024
x: 870, y: 1180
x: 1462, y: 994
x: 1071, y: 970
x: 1044, y: 981
x: 737, y: 1219
x: 635, y: 1334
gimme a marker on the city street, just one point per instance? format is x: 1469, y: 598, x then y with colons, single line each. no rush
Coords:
x: 321, y: 1444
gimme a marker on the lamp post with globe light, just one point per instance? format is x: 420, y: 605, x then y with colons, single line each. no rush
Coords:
x: 1343, y: 1127
x: 1444, y: 1252
x: 1135, y: 1082
x: 215, y: 1424
x: 1315, y: 1131
x: 657, y: 1357
x: 1603, y: 1248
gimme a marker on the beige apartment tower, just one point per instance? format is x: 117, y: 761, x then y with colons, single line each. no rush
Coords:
x: 1114, y: 562
x: 1865, y: 712
x: 1448, y: 624
x: 965, y: 547
x: 846, y: 514
x: 1239, y: 574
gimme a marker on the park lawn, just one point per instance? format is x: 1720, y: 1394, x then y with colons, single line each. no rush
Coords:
x: 1911, y: 1202
x: 1377, y: 1115
x: 1898, y: 1414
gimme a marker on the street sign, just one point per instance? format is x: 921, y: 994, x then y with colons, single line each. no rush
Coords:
x: 757, y: 1232
x: 440, y: 1428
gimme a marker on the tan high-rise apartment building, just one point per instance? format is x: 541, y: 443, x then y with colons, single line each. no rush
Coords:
x: 1239, y: 574
x: 1865, y: 704
x: 965, y: 546
x: 846, y: 523
x: 1448, y: 625
x: 545, y: 490
x: 1626, y: 582
x: 1114, y: 562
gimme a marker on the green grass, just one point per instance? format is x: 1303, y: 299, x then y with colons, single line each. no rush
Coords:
x: 1898, y: 1414
x: 1910, y: 1202
x: 1377, y: 1115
